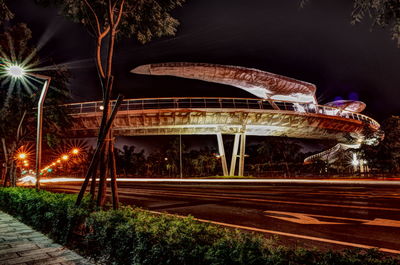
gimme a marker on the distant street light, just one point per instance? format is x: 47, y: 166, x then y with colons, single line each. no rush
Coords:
x: 16, y: 71
x: 355, y: 162
x: 75, y: 151
x: 22, y: 156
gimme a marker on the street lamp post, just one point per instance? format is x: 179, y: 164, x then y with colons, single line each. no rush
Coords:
x: 40, y: 126
x: 16, y: 71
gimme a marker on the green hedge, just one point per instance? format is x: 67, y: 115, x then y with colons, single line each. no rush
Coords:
x: 135, y: 236
x: 51, y: 213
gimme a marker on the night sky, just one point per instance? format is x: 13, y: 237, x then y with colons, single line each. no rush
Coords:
x: 316, y: 44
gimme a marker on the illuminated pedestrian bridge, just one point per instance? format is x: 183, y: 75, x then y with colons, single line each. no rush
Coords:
x: 218, y: 116
x: 285, y: 107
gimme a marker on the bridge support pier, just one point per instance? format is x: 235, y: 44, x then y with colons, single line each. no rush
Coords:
x: 221, y: 150
x: 234, y: 154
x: 242, y: 154
x: 242, y: 138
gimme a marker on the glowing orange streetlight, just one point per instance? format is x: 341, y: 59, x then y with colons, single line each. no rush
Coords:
x: 58, y: 161
x: 75, y: 151
x: 65, y: 157
x: 22, y: 156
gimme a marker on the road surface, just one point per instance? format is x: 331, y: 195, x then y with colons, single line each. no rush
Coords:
x: 308, y: 215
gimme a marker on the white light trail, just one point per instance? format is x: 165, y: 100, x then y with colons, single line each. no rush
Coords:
x: 283, y: 181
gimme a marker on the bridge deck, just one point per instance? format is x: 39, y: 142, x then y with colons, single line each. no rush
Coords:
x: 238, y: 116
x: 222, y: 115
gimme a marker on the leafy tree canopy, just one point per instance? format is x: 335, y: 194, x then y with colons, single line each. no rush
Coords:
x: 383, y: 13
x: 144, y: 19
x: 5, y: 13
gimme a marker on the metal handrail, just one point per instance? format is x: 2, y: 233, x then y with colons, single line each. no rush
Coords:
x: 221, y: 103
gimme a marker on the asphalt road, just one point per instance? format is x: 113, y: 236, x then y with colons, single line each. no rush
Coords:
x: 322, y: 216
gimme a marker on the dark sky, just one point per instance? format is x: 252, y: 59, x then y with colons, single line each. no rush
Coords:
x: 316, y: 44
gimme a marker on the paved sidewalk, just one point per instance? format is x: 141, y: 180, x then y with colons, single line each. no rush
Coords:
x: 20, y: 244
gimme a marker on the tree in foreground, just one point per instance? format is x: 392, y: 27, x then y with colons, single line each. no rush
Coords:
x: 107, y: 21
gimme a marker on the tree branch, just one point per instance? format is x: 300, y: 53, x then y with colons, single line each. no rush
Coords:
x: 95, y: 16
x: 98, y: 52
x: 120, y: 11
x: 110, y: 13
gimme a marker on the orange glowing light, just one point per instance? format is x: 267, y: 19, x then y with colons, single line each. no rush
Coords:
x: 65, y: 157
x: 58, y: 160
x: 75, y: 151
x: 22, y: 155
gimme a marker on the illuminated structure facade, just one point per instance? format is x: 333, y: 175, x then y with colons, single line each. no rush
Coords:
x: 284, y: 107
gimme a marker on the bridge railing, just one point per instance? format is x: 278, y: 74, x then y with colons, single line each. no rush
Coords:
x: 220, y: 103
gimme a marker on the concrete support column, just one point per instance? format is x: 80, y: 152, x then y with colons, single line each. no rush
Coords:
x: 242, y: 154
x: 362, y: 166
x: 234, y: 154
x: 221, y: 150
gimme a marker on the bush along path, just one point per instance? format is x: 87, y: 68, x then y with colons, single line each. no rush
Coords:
x: 19, y: 244
x: 135, y: 236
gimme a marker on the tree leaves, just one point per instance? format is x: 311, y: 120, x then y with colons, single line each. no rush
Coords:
x: 143, y: 20
x: 5, y: 13
x: 383, y: 13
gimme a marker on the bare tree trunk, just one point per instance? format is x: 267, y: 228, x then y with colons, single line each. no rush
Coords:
x: 10, y: 174
x: 3, y: 141
x: 102, y: 192
x: 106, y: 79
x: 102, y: 135
x: 14, y: 177
x: 113, y: 171
x: 5, y: 182
x: 93, y: 182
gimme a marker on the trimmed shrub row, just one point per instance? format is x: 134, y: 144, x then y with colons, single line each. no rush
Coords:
x: 135, y: 236
x: 52, y: 213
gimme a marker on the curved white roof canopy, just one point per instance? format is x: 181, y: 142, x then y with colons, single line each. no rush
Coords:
x: 349, y: 105
x: 259, y: 83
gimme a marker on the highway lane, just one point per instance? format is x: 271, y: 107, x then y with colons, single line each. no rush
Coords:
x: 323, y: 216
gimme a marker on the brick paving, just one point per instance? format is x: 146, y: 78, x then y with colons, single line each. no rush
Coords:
x: 20, y: 244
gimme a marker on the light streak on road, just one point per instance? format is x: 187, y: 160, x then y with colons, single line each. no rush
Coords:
x: 302, y: 218
x: 282, y: 181
x: 220, y: 196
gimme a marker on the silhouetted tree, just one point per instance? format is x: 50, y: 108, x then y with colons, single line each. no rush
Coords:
x: 108, y: 21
